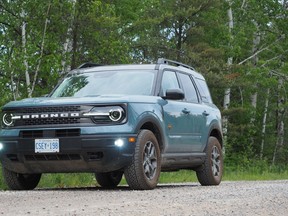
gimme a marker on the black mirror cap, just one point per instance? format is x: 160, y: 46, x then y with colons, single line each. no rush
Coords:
x: 174, y: 94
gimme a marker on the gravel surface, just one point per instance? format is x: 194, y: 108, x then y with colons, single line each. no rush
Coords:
x: 230, y: 198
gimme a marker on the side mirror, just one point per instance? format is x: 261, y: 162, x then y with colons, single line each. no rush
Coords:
x: 174, y: 94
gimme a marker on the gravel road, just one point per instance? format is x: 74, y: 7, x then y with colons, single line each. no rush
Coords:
x: 230, y: 198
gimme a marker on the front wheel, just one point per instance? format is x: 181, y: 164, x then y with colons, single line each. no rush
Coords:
x: 17, y: 181
x: 211, y: 171
x: 109, y: 180
x: 144, y: 171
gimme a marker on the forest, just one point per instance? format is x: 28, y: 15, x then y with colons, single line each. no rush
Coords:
x: 240, y: 46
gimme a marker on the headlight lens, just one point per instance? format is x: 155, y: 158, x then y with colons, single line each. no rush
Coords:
x: 7, y: 119
x: 116, y: 114
x: 107, y: 114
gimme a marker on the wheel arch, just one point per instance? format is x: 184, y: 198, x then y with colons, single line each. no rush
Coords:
x: 155, y: 127
x: 216, y: 132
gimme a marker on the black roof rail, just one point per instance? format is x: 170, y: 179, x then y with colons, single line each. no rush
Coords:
x: 89, y: 64
x: 167, y: 61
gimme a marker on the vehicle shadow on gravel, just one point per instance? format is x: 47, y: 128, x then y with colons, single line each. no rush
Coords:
x: 119, y: 188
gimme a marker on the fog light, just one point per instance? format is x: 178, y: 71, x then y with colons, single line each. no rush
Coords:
x: 119, y: 142
x: 1, y: 146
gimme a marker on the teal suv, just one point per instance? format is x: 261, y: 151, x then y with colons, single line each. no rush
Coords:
x: 131, y: 120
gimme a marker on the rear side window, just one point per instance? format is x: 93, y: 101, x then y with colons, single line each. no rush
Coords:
x: 204, y: 91
x: 189, y: 89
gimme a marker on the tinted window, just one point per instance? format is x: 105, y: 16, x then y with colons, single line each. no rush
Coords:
x: 189, y: 89
x: 169, y: 81
x: 204, y: 91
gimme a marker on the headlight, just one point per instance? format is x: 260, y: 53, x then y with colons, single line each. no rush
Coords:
x: 7, y: 119
x: 106, y: 114
x: 116, y: 114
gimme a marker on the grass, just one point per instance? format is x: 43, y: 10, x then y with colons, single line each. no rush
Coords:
x: 256, y: 173
x: 230, y: 174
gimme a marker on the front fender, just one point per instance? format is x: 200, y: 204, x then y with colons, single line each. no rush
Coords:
x: 148, y: 115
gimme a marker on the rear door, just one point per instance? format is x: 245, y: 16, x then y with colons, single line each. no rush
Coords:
x: 183, y: 118
x: 196, y: 113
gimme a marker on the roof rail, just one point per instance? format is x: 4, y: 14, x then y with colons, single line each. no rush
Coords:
x: 88, y: 64
x: 167, y: 61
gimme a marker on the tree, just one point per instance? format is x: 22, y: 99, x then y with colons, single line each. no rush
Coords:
x: 258, y: 36
x: 242, y: 54
x: 26, y: 44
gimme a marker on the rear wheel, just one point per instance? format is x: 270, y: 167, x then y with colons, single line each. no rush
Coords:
x: 17, y: 181
x: 144, y: 171
x: 211, y: 171
x: 110, y: 179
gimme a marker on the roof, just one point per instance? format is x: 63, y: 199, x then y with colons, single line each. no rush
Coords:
x: 161, y: 65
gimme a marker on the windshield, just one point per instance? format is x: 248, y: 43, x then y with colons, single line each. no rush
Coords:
x: 105, y: 83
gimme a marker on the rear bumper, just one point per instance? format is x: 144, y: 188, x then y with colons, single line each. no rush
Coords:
x: 84, y: 153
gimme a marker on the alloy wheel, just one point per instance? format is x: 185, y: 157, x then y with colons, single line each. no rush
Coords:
x: 149, y: 160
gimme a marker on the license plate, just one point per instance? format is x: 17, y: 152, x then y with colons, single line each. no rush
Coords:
x: 46, y: 145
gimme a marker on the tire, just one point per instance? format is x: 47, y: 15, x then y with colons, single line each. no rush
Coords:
x: 211, y: 171
x: 144, y: 171
x: 109, y: 180
x: 17, y: 181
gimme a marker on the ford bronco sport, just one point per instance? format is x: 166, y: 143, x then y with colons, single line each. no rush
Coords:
x: 135, y: 120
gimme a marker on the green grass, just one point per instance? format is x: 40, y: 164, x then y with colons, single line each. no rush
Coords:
x: 230, y: 174
x: 178, y: 177
x: 255, y: 173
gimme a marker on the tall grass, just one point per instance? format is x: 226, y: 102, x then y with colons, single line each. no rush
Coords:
x: 231, y: 173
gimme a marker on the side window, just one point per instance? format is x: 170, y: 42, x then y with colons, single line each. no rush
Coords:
x: 169, y: 81
x: 189, y: 88
x: 204, y: 91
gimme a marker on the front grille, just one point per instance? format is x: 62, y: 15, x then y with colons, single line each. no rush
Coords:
x: 49, y: 115
x: 67, y: 133
x: 50, y: 133
x: 92, y: 156
x: 52, y: 157
x: 31, y: 134
x: 50, y: 121
x: 12, y: 157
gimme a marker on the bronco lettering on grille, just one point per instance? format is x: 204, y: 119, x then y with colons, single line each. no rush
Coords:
x: 48, y: 115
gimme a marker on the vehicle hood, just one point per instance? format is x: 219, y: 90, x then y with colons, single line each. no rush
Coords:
x: 103, y: 99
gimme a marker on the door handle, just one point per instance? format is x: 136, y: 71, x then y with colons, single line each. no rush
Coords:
x: 185, y: 111
x: 205, y: 113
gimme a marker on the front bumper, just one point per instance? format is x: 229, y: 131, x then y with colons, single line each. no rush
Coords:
x: 81, y: 153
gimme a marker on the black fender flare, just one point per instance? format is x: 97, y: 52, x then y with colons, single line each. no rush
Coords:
x: 151, y: 119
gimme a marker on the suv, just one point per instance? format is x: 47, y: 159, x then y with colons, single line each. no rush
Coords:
x: 135, y: 120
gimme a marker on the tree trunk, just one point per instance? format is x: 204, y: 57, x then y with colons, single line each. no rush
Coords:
x: 13, y: 85
x: 25, y: 57
x: 227, y: 94
x: 256, y: 42
x: 67, y: 46
x: 264, y: 124
x: 279, y: 122
x: 75, y: 35
x: 41, y: 51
